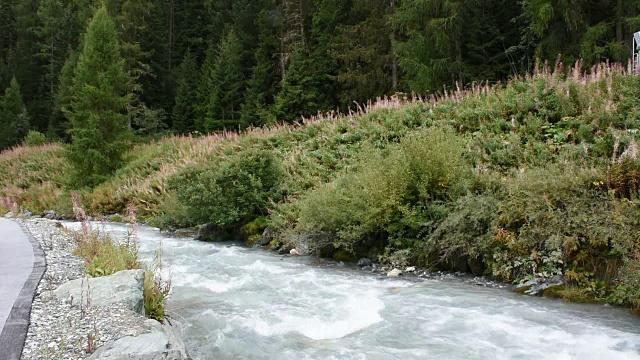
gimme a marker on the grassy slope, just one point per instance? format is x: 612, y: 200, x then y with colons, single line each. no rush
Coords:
x: 543, y: 158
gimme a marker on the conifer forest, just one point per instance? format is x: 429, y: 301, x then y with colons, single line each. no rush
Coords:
x: 210, y: 65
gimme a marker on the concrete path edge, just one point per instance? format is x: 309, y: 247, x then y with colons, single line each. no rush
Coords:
x: 15, y: 330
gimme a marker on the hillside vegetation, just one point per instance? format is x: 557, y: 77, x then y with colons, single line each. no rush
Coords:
x: 530, y: 179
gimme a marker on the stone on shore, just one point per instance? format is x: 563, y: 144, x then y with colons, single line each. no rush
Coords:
x: 163, y: 343
x: 394, y: 273
x: 124, y: 287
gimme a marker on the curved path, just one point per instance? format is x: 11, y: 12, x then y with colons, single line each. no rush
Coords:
x: 22, y: 264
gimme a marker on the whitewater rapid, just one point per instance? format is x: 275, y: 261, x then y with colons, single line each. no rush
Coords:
x: 241, y: 303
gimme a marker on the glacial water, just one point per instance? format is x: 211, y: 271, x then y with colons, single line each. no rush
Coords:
x: 241, y: 303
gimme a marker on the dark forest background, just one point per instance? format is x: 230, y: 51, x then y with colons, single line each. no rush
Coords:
x: 207, y: 65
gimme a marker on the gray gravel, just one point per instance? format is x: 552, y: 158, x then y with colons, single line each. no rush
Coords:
x: 57, y: 330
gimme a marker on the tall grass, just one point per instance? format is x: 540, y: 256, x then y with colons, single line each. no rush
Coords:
x: 105, y: 256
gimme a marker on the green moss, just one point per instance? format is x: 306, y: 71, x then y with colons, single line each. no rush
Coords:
x: 342, y: 255
x: 272, y: 243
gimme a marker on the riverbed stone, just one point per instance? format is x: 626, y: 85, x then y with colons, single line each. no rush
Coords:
x: 394, y: 273
x: 267, y: 235
x: 364, y: 262
x: 209, y: 232
x: 124, y: 287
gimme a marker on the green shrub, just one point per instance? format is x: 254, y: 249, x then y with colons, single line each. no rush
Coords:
x: 233, y: 191
x: 35, y: 138
x: 554, y: 220
x: 392, y: 192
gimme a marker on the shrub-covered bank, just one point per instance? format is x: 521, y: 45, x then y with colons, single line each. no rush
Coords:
x: 531, y: 179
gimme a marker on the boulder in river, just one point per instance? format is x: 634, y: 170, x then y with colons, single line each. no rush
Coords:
x: 267, y: 235
x: 394, y: 273
x: 212, y: 232
x: 124, y: 287
x: 364, y: 262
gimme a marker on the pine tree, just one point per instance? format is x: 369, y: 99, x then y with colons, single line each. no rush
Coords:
x: 99, y: 101
x: 225, y: 99
x: 184, y: 112
x: 14, y: 119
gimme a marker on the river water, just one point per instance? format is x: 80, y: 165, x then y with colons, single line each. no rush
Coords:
x: 240, y: 303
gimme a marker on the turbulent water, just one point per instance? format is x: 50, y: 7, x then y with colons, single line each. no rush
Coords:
x: 240, y: 303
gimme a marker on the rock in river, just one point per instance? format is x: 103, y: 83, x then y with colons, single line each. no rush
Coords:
x: 364, y: 262
x: 394, y: 273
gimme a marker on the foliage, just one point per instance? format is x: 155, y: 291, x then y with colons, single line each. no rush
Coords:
x: 35, y: 138
x: 105, y: 256
x: 391, y: 194
x: 13, y: 116
x: 100, y: 99
x: 232, y: 192
x: 184, y: 110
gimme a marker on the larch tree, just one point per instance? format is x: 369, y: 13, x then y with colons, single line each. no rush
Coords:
x: 98, y: 111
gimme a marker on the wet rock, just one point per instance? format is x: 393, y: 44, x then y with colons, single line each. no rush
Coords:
x: 187, y: 233
x: 476, y: 266
x: 267, y: 236
x: 410, y: 269
x: 124, y: 287
x: 209, y: 232
x: 364, y: 262
x: 285, y: 249
x: 27, y: 213
x: 394, y: 273
x: 294, y: 252
x: 525, y: 286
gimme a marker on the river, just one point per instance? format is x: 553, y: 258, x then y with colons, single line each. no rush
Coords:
x: 241, y: 303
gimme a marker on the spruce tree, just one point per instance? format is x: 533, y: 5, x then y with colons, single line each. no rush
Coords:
x: 7, y: 28
x: 299, y: 95
x: 14, y: 119
x: 98, y: 111
x: 225, y: 99
x: 59, y: 124
x: 205, y: 84
x: 184, y: 112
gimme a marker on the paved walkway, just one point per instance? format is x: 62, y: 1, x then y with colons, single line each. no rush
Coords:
x: 22, y: 264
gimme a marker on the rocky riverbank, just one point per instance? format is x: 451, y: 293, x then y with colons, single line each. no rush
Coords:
x: 64, y: 326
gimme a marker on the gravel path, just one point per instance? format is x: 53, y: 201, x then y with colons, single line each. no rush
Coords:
x: 57, y: 330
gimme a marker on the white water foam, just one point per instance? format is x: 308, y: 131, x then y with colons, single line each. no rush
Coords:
x: 353, y: 314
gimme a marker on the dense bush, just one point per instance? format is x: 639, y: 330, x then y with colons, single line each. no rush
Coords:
x: 231, y: 192
x: 393, y: 192
x: 35, y: 138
